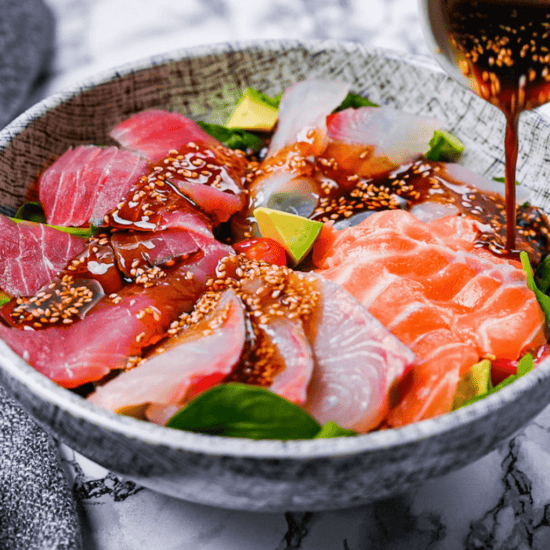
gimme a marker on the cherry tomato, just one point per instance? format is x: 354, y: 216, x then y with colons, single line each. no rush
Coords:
x: 501, y: 369
x: 263, y: 249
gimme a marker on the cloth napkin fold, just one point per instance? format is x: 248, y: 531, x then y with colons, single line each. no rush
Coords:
x: 27, y: 45
x: 37, y: 508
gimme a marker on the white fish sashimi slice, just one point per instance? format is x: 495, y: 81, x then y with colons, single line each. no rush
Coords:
x: 294, y: 350
x: 187, y: 362
x: 465, y: 176
x: 395, y: 134
x: 304, y: 107
x: 357, y: 363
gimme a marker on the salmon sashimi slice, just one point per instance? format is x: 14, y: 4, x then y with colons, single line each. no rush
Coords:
x: 182, y: 367
x: 423, y: 279
x: 32, y: 254
x: 358, y: 363
x: 428, y: 388
x: 87, y: 182
x: 154, y: 133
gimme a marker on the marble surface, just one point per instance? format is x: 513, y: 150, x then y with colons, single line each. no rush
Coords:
x: 501, y: 501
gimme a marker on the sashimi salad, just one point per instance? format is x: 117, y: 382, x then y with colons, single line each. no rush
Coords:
x: 314, y: 268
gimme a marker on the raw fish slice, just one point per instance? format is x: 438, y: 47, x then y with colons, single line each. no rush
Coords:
x: 186, y: 364
x: 358, y: 362
x: 117, y: 328
x: 482, y: 302
x: 294, y: 352
x: 428, y: 389
x: 120, y: 173
x: 509, y: 322
x: 87, y: 182
x: 60, y: 206
x: 303, y: 112
x: 218, y: 204
x: 148, y: 249
x: 154, y: 133
x: 395, y: 135
x: 204, y: 266
x: 31, y: 255
x: 85, y: 193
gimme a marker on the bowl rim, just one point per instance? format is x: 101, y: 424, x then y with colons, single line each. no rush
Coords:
x: 179, y: 440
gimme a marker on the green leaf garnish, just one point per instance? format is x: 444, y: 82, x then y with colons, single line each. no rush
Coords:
x: 354, y: 101
x: 4, y: 297
x: 84, y: 232
x: 542, y: 298
x: 331, y: 429
x: 444, y: 145
x: 242, y: 410
x: 542, y: 275
x: 503, y: 180
x: 32, y: 212
x: 264, y: 98
x: 525, y: 365
x: 234, y: 138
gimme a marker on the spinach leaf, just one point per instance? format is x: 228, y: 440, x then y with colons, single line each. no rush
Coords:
x: 4, y: 298
x: 264, y: 98
x: 354, y: 101
x: 542, y: 298
x: 242, y: 410
x: 234, y: 138
x: 542, y: 275
x: 331, y: 429
x: 525, y: 365
x: 444, y: 146
x: 84, y: 232
x: 503, y: 180
x: 32, y: 212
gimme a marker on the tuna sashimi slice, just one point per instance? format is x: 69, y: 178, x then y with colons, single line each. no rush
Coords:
x: 186, y: 364
x: 154, y: 133
x: 120, y: 173
x: 148, y: 249
x: 218, y: 204
x: 32, y: 254
x: 87, y: 182
x: 117, y: 328
x: 358, y: 363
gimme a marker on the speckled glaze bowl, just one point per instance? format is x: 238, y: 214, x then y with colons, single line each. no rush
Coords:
x: 269, y: 475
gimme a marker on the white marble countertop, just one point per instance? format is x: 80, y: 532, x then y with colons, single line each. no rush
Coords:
x: 501, y: 501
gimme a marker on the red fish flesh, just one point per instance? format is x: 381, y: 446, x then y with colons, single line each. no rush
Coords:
x: 31, y: 255
x: 87, y: 182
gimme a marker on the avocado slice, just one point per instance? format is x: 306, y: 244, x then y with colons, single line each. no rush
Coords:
x: 477, y: 381
x: 444, y: 145
x: 295, y: 233
x: 251, y: 113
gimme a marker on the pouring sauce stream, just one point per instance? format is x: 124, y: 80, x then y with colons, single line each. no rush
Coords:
x: 503, y: 48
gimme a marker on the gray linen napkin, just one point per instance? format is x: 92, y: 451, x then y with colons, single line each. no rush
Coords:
x: 27, y: 42
x: 37, y: 509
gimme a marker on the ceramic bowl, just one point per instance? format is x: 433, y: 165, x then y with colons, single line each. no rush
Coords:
x: 269, y: 475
